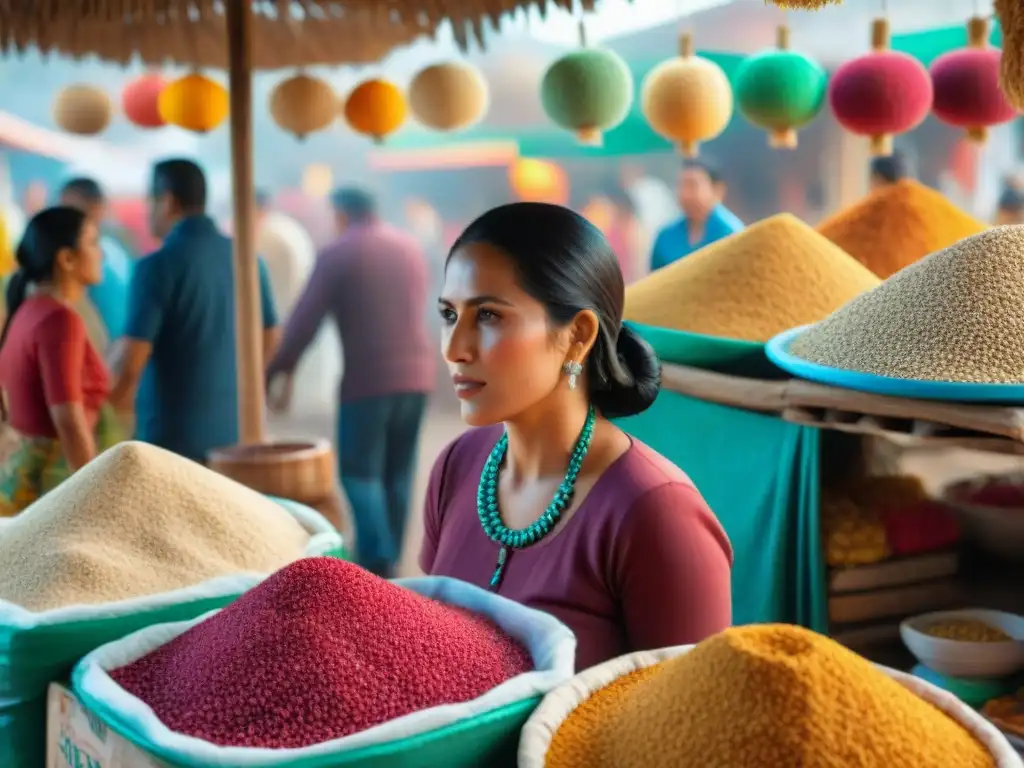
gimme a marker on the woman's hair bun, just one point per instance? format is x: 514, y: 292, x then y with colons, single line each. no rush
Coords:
x: 635, y: 393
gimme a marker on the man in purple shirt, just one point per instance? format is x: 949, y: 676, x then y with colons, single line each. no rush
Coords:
x: 373, y: 281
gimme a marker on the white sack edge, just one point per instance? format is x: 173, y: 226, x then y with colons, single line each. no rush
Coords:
x: 539, y: 731
x: 323, y: 538
x: 551, y: 644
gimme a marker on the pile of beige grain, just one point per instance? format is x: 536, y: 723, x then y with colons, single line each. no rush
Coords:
x: 775, y: 275
x: 956, y: 315
x: 136, y: 521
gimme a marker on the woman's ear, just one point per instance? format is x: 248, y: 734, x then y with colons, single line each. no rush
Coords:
x: 65, y: 262
x: 585, y: 328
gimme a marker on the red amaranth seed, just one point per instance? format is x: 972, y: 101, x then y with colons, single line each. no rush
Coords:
x: 320, y: 650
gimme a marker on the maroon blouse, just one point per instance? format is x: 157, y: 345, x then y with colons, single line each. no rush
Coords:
x: 642, y: 564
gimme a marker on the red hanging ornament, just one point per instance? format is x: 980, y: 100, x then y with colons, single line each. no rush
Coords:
x: 140, y: 98
x: 966, y: 85
x: 882, y: 93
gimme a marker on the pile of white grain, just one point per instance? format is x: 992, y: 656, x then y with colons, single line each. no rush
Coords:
x: 137, y: 521
x: 956, y: 315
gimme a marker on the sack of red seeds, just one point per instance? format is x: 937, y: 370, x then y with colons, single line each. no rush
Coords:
x: 326, y: 664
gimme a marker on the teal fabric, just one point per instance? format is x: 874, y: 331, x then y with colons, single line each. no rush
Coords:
x: 490, y: 739
x: 760, y: 476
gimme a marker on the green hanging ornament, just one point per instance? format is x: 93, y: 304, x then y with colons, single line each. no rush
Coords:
x: 780, y: 90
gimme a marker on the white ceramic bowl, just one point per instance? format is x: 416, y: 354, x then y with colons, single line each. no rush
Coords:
x: 996, y: 530
x: 961, y: 659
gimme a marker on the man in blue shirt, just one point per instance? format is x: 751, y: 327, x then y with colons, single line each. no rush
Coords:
x: 704, y: 218
x: 180, y: 336
x: 109, y: 297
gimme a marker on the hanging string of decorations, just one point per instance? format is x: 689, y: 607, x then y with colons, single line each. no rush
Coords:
x: 449, y: 96
x: 588, y: 91
x: 302, y: 105
x: 140, y: 101
x: 194, y: 103
x: 83, y: 110
x: 780, y: 90
x: 688, y: 99
x: 376, y: 108
x: 881, y: 93
x: 966, y: 85
x: 1011, y: 20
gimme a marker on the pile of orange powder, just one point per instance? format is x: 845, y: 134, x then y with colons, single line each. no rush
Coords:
x: 764, y: 696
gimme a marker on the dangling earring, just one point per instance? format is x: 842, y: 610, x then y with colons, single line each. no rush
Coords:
x: 572, y: 369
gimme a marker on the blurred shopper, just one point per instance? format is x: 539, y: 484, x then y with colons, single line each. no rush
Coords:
x: 373, y: 282
x: 705, y: 218
x: 53, y: 382
x: 887, y: 170
x: 1010, y: 209
x: 288, y: 251
x: 179, y: 351
x: 109, y: 297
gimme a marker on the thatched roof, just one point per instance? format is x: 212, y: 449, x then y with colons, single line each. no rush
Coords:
x: 288, y: 33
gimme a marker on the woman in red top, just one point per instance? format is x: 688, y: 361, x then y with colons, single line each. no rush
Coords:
x: 53, y: 383
x: 549, y: 502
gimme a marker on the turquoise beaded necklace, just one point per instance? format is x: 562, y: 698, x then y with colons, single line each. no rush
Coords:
x: 490, y: 515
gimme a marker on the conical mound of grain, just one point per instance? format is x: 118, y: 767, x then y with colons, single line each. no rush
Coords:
x: 139, y: 520
x: 778, y: 695
x: 954, y: 316
x: 775, y: 275
x: 898, y: 225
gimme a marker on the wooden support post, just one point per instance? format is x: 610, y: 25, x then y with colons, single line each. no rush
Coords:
x: 248, y: 312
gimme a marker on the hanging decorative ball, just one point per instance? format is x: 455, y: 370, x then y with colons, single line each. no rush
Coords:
x: 538, y: 181
x: 780, y: 90
x: 140, y: 100
x: 194, y: 102
x: 588, y: 92
x: 966, y: 85
x: 84, y: 110
x: 687, y: 99
x: 376, y: 108
x: 302, y: 105
x: 881, y: 93
x: 449, y: 96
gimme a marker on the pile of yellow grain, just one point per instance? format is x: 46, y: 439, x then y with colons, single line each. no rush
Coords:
x: 957, y: 315
x: 772, y: 695
x: 139, y: 520
x: 773, y: 276
x: 898, y: 225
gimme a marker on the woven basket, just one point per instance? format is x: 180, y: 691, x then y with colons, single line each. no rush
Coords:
x: 303, y: 471
x: 559, y: 704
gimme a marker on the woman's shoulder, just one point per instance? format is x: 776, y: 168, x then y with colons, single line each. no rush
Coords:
x: 646, y: 490
x: 642, y: 469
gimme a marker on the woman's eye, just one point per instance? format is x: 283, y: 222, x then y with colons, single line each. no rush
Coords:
x: 448, y: 315
x: 486, y: 316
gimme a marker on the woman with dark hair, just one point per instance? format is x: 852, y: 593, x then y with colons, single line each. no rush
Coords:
x: 53, y: 383
x: 548, y: 502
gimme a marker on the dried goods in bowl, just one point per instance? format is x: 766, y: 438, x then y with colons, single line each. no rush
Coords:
x: 961, y: 658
